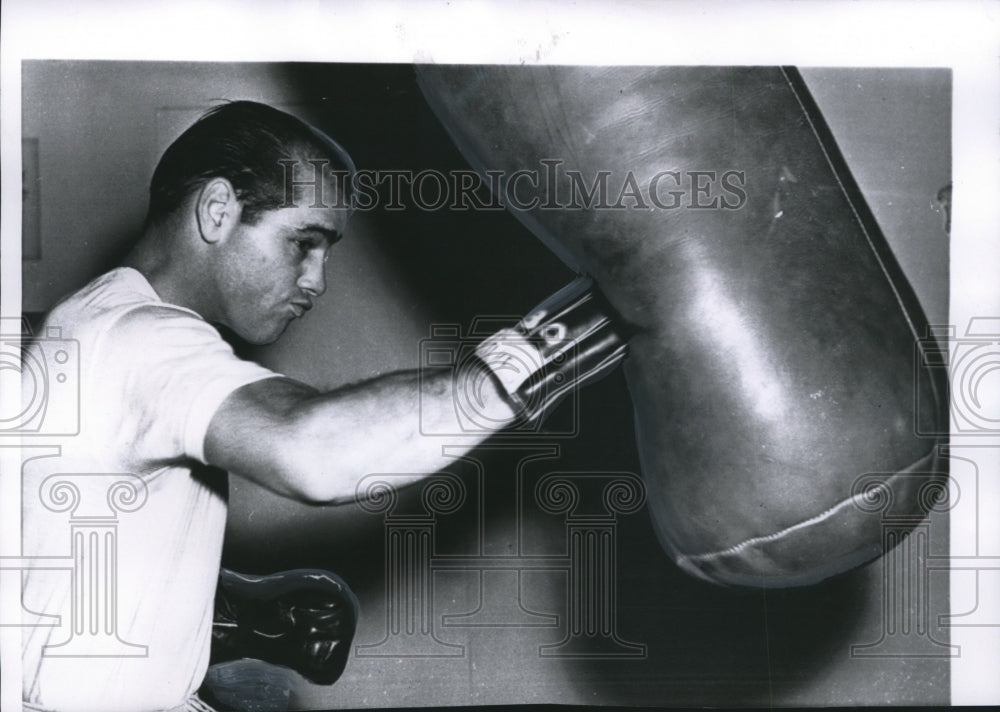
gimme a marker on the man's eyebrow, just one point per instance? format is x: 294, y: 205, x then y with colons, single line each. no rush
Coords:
x: 331, y: 235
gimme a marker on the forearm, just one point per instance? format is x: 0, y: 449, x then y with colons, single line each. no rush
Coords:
x: 388, y: 425
x: 316, y: 446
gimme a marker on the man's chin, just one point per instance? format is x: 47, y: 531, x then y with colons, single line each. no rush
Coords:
x: 263, y: 337
x: 273, y: 336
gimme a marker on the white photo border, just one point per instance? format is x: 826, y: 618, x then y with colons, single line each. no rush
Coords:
x: 959, y: 35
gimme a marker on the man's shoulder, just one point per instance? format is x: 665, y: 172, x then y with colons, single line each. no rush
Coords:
x: 120, y: 300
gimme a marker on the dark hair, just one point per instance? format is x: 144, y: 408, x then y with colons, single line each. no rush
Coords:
x: 243, y: 142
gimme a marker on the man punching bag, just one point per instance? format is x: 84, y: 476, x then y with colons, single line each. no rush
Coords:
x: 771, y: 365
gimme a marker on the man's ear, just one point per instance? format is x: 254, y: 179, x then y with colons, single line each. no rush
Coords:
x: 217, y: 210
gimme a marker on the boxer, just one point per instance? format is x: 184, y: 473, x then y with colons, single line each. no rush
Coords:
x: 233, y: 239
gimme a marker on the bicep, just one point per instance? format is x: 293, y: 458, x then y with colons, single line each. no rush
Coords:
x: 254, y: 434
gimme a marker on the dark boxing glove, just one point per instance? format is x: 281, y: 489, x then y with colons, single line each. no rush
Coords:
x: 303, y: 619
x: 565, y: 342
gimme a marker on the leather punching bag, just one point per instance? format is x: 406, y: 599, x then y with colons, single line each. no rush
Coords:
x: 772, y: 368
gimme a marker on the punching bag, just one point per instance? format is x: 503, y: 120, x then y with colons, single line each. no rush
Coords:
x: 772, y: 367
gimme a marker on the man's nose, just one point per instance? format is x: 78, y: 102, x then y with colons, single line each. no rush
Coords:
x: 313, y: 279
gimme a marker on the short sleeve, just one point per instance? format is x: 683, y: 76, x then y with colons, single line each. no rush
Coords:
x: 171, y: 371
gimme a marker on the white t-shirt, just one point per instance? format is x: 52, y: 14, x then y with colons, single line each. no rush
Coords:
x: 136, y: 635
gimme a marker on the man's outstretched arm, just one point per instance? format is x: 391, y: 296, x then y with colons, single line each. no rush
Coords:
x: 316, y: 446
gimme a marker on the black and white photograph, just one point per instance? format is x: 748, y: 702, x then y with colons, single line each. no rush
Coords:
x: 402, y: 370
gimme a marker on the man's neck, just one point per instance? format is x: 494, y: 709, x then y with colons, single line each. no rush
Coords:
x: 170, y: 272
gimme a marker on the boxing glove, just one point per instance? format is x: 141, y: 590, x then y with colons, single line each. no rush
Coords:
x: 565, y: 342
x: 303, y: 619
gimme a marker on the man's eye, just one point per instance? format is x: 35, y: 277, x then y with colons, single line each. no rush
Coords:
x: 303, y: 246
